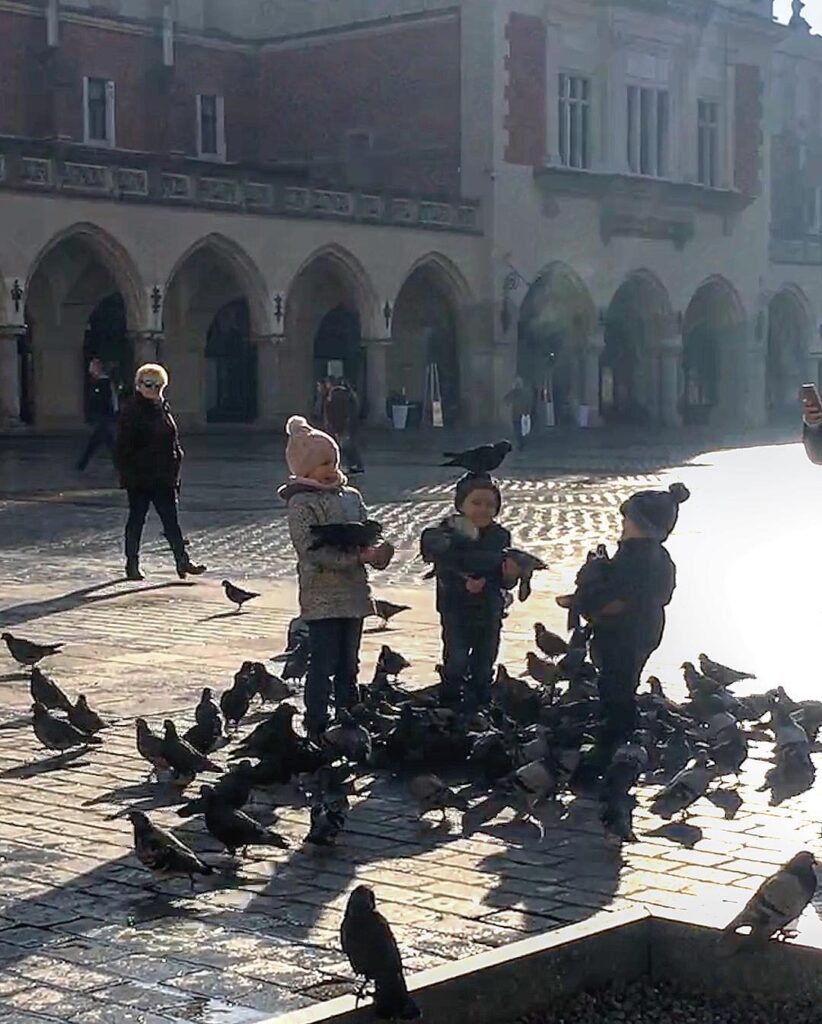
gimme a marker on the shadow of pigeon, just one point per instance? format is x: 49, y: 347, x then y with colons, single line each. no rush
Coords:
x: 157, y: 908
x: 14, y: 677
x: 679, y: 832
x: 16, y: 723
x: 222, y: 615
x: 71, y: 759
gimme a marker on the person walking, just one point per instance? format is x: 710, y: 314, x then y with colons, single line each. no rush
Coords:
x: 522, y: 402
x: 148, y: 458
x: 334, y: 593
x: 342, y: 410
x: 102, y: 408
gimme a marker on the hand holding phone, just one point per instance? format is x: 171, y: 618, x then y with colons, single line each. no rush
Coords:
x: 811, y: 405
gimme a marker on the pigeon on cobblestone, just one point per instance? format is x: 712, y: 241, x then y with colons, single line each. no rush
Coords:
x: 236, y: 595
x: 204, y: 738
x: 391, y: 663
x: 233, y: 789
x: 235, y: 829
x: 163, y: 853
x: 271, y: 737
x: 185, y: 761
x: 432, y: 794
x: 480, y: 460
x: 264, y: 684
x: 684, y: 789
x: 46, y: 692
x: 541, y: 671
x: 386, y: 610
x: 775, y: 905
x: 82, y: 717
x: 721, y: 673
x: 207, y: 714
x: 551, y: 644
x: 617, y: 802
x: 150, y: 747
x: 235, y: 702
x: 347, y: 738
x: 328, y: 790
x: 56, y: 734
x: 369, y: 944
x: 26, y: 652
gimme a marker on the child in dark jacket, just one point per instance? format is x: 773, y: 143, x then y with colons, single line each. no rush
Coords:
x: 624, y: 599
x: 468, y: 554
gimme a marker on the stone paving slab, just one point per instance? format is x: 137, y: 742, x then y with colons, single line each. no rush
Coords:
x: 80, y: 938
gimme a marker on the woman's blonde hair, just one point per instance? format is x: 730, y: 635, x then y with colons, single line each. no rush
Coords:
x: 152, y: 370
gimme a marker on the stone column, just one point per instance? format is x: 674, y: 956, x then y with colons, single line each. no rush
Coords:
x: 377, y: 379
x: 9, y: 378
x: 670, y: 357
x: 589, y: 392
x: 146, y: 347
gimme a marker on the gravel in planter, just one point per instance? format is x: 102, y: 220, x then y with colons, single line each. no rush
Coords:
x: 645, y: 1003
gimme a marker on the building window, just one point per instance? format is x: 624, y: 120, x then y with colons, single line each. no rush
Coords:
x: 648, y: 131
x: 812, y: 212
x: 211, y: 127
x: 574, y: 121
x: 98, y: 112
x: 708, y: 156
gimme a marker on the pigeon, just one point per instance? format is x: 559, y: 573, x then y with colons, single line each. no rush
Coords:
x: 150, y: 747
x: 83, y: 718
x: 295, y: 655
x: 617, y: 803
x: 25, y: 652
x: 721, y: 673
x: 775, y: 905
x: 271, y: 737
x: 481, y: 460
x: 329, y: 789
x: 391, y: 662
x: 345, y: 536
x: 163, y: 853
x: 204, y: 738
x: 684, y: 789
x: 527, y: 565
x: 386, y: 611
x: 347, y: 738
x: 235, y: 702
x: 787, y: 731
x: 268, y: 687
x: 432, y: 794
x: 182, y: 757
x: 46, y: 692
x: 235, y: 829
x: 546, y: 673
x: 369, y: 944
x: 233, y: 789
x: 207, y: 714
x: 727, y: 743
x: 55, y: 734
x: 551, y: 644
x: 236, y: 595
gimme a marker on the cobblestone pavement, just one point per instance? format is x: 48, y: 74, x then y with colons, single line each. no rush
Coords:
x: 82, y: 941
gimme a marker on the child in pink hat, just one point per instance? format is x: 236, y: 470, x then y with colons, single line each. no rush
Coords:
x: 335, y: 596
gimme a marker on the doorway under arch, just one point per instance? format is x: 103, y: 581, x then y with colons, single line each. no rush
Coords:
x: 231, y: 366
x: 713, y: 344
x: 789, y: 332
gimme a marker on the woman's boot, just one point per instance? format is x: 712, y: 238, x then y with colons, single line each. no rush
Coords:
x: 185, y: 567
x: 133, y: 570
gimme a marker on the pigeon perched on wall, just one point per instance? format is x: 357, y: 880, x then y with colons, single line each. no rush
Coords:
x: 26, y: 652
x: 345, y: 536
x: 551, y: 644
x: 481, y: 460
x: 775, y: 905
x: 163, y: 853
x: 46, y: 692
x: 387, y: 610
x: 236, y: 595
x: 369, y: 944
x: 56, y: 734
x: 150, y: 747
x: 721, y: 673
x: 432, y: 794
x: 82, y: 717
x: 235, y: 829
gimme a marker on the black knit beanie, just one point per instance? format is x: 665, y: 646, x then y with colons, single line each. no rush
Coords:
x: 656, y: 512
x: 475, y: 482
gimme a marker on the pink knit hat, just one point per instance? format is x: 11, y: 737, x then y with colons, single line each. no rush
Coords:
x: 307, y: 447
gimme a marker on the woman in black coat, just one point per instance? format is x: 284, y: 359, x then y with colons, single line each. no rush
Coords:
x: 148, y: 457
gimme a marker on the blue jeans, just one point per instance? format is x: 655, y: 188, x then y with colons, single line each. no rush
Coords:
x: 333, y: 658
x: 470, y: 645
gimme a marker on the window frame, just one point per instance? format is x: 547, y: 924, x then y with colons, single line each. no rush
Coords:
x: 710, y: 128
x: 648, y: 155
x: 575, y: 110
x: 219, y: 156
x: 109, y: 98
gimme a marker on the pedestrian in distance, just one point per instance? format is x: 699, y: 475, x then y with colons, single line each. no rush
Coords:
x: 148, y: 457
x: 521, y: 400
x: 102, y: 409
x: 472, y: 573
x: 342, y: 411
x: 624, y: 598
x: 334, y: 592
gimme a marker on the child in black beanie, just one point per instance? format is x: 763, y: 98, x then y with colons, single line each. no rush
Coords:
x: 468, y: 554
x: 624, y: 599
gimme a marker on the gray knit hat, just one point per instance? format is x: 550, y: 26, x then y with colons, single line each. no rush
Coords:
x: 656, y: 512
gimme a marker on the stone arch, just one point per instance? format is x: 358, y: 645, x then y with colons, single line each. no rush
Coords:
x: 425, y: 330
x: 714, y: 337
x: 790, y: 333
x: 554, y: 329
x: 639, y: 322
x: 331, y: 306
x: 83, y: 297
x: 216, y: 324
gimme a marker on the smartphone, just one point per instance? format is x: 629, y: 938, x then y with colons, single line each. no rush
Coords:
x: 809, y: 397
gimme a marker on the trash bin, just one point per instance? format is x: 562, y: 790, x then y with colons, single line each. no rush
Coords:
x: 583, y: 416
x: 399, y: 416
x: 414, y: 416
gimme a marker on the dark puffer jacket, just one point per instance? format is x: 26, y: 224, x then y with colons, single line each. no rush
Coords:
x: 147, y: 452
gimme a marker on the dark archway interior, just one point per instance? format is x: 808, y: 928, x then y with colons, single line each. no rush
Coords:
x: 627, y: 398
x: 786, y: 359
x: 231, y: 366
x: 107, y: 339
x: 338, y: 348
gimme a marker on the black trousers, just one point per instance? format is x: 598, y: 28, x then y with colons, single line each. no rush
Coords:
x: 620, y: 667
x: 470, y: 645
x: 102, y: 433
x: 164, y: 500
x: 333, y: 657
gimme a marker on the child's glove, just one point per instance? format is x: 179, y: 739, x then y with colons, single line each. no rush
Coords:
x: 380, y: 556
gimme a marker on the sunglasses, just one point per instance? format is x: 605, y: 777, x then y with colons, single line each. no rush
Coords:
x: 152, y: 385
